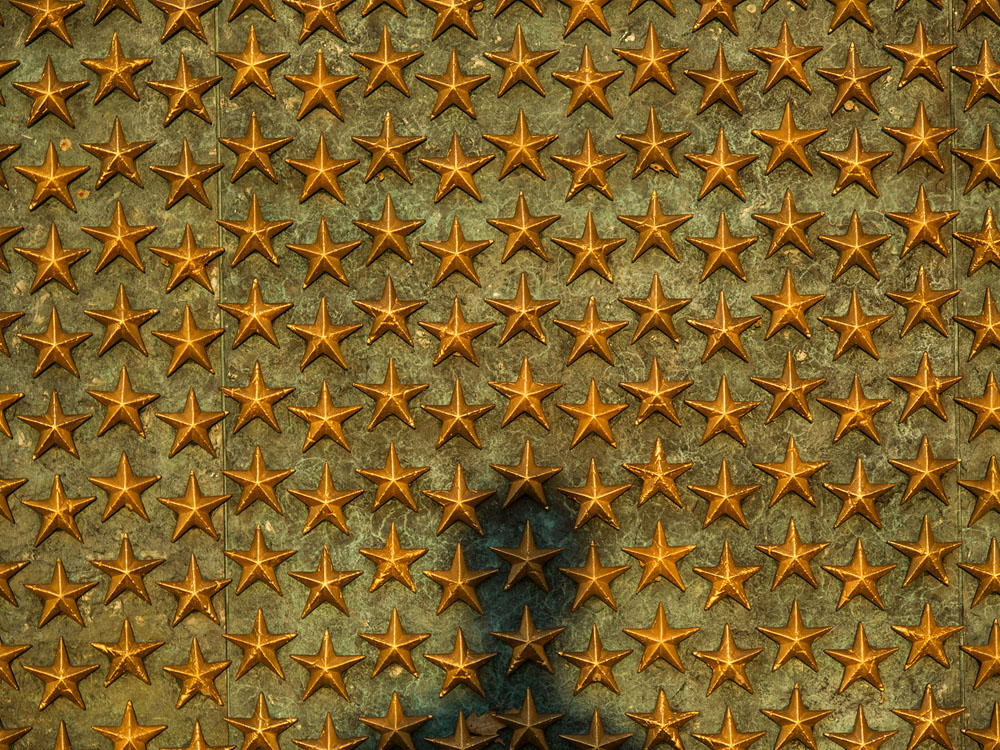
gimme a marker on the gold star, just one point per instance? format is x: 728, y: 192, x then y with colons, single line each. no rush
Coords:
x: 985, y: 326
x: 788, y: 226
x: 122, y: 405
x: 184, y: 92
x: 724, y: 497
x: 593, y: 416
x: 118, y: 156
x: 59, y: 596
x: 260, y: 730
x: 253, y: 151
x: 589, y: 251
x: 186, y: 177
x: 587, y: 84
x: 385, y: 65
x: 61, y: 679
x: 184, y: 14
x: 52, y: 179
x: 115, y: 69
x: 984, y: 162
x: 194, y: 509
x: 124, y: 490
x: 520, y: 64
x: 256, y: 401
x: 855, y: 165
x: 394, y: 646
x: 793, y: 555
x: 8, y: 571
x: 127, y: 654
x: 986, y: 407
x: 47, y: 15
x: 929, y: 720
x: 795, y: 721
x: 920, y: 140
x: 728, y: 662
x: 523, y: 313
x: 788, y: 142
x: 388, y: 151
x: 928, y: 638
x: 452, y: 13
x: 920, y: 58
x: 456, y: 170
x: 986, y: 490
x: 581, y: 11
x: 658, y: 476
x: 458, y: 582
x: 526, y: 478
x: 396, y: 727
x: 596, y: 738
x: 389, y: 313
x: 653, y: 146
x: 855, y: 328
x: 49, y: 95
x: 656, y: 394
x: 389, y: 232
x: 856, y: 411
x: 453, y: 87
x: 862, y: 737
x: 191, y: 424
x: 527, y: 561
x: 795, y: 640
x: 6, y: 149
x: 925, y: 472
x: 924, y: 390
x: 325, y: 503
x: 55, y: 428
x: 720, y: 82
x: 845, y: 10
x: 983, y: 77
x: 788, y: 308
x: 985, y: 243
x: 255, y: 233
x: 126, y: 572
x: 194, y: 593
x: 391, y: 396
x: 256, y: 317
x: 660, y: 641
x: 7, y: 487
x: 523, y: 230
x: 324, y: 255
x: 593, y: 579
x: 923, y: 304
x: 727, y: 578
x: 197, y: 737
x: 521, y: 147
x: 326, y: 668
x: 723, y: 330
x: 855, y: 247
x: 55, y: 345
x: 785, y: 60
x: 10, y: 652
x: 188, y: 261
x: 591, y: 333
x: 729, y: 737
x: 859, y: 578
x: 595, y: 498
x: 239, y: 7
x: 595, y: 663
x: 317, y: 15
x: 252, y: 65
x: 528, y: 642
x: 322, y: 337
x: 525, y: 395
x: 324, y: 420
x: 6, y: 318
x: 858, y: 496
x: 988, y: 573
x: 660, y: 560
x: 792, y: 474
x: 722, y: 167
x: 662, y: 724
x: 319, y: 88
x: 52, y: 261
x: 461, y: 666
x: 723, y: 414
x: 987, y: 654
x: 923, y: 224
x: 190, y: 343
x: 321, y: 172
x: 654, y: 228
x: 258, y: 563
x: 455, y: 335
x: 120, y: 241
x: 652, y: 61
x: 987, y: 737
x: 325, y: 584
x: 393, y: 480
x: 259, y: 646
x: 457, y: 254
x: 459, y: 502
x: 392, y: 561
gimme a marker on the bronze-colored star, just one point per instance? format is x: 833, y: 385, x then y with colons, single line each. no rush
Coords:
x: 122, y: 405
x: 526, y: 478
x: 259, y: 646
x: 392, y: 561
x: 388, y: 232
x: 7, y: 571
x: 596, y: 737
x: 185, y: 91
x: 188, y: 261
x: 923, y: 224
x: 391, y: 396
x: 986, y: 490
x: 658, y: 476
x: 186, y: 177
x: 452, y: 13
x: 920, y: 58
x: 190, y: 343
x: 788, y: 308
x: 325, y: 584
x: 923, y: 304
x: 587, y: 84
x: 52, y: 179
x: 795, y: 721
x: 528, y: 642
x: 118, y: 156
x: 590, y: 251
x: 319, y: 88
x: 259, y: 729
x: 124, y: 490
x: 321, y: 172
x: 652, y: 61
x: 256, y: 317
x: 591, y: 333
x: 855, y: 247
x: 984, y: 162
x: 662, y: 723
x: 728, y: 736
x: 594, y: 498
x: 593, y: 416
x: 928, y: 638
x: 861, y: 661
x: 458, y: 582
x: 130, y: 733
x: 521, y: 148
x: 62, y: 678
x: 723, y: 414
x: 126, y: 572
x: 985, y: 326
x: 456, y: 169
x: 725, y: 498
x: 259, y: 562
x: 862, y: 737
x: 198, y: 741
x: 194, y: 509
x: 527, y: 560
x: 987, y: 737
x: 582, y: 11
x: 58, y: 512
x: 191, y: 424
x: 55, y: 428
x: 987, y: 572
x: 594, y: 579
x: 389, y: 313
x: 6, y: 149
x: 256, y: 400
x: 523, y: 313
x: 793, y: 555
x: 785, y: 60
x: 654, y: 228
x: 127, y: 655
x: 52, y: 261
x: 855, y: 328
x: 660, y: 641
x: 859, y: 577
x: 461, y: 666
x: 920, y: 140
x: 324, y: 255
x: 457, y: 254
x: 317, y: 15
x: 394, y: 646
x: 47, y: 15
x: 453, y: 87
x: 722, y: 167
x: 792, y: 474
x: 120, y: 241
x: 59, y: 596
x: 386, y: 65
x: 855, y: 165
x: 720, y: 82
x: 252, y: 65
x: 325, y: 503
x: 455, y: 335
x: 985, y: 243
x: 388, y: 151
x: 9, y: 652
x: 858, y: 496
x: 983, y: 77
x: 459, y: 502
x: 925, y: 472
x: 324, y: 420
x: 7, y: 487
x: 184, y: 14
x: 856, y: 411
x: 986, y: 408
x: 727, y: 579
x: 795, y: 640
x: 924, y: 390
x: 723, y: 330
x: 326, y: 668
x: 788, y: 226
x: 194, y: 593
x: 653, y: 146
x: 255, y: 233
x: 987, y: 654
x: 396, y: 728
x: 596, y: 663
x: 728, y: 662
x: 656, y: 394
x: 525, y: 395
x: 253, y: 151
x: 49, y: 94
x: 788, y: 142
x: 929, y: 720
x: 523, y: 230
x: 520, y: 64
x: 392, y: 480
x: 322, y: 337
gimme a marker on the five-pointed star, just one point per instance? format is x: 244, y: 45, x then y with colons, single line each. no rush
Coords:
x: 260, y: 730
x: 728, y: 662
x: 795, y: 721
x: 458, y: 582
x: 59, y: 596
x: 455, y: 335
x: 652, y: 61
x: 457, y: 254
x: 660, y: 641
x: 388, y: 233
x: 858, y: 496
x: 720, y: 82
x: 985, y: 243
x: 49, y: 95
x: 127, y: 655
x: 124, y: 489
x: 855, y: 328
x: 986, y: 490
x: 520, y: 64
x: 985, y: 326
x: 184, y: 92
x: 256, y: 400
x: 987, y: 654
x: 122, y: 405
x: 259, y: 646
x: 788, y: 142
x: 55, y: 345
x: 596, y: 737
x: 656, y: 394
x: 924, y: 390
x: 392, y: 397
x: 788, y: 308
x: 727, y: 579
x: 729, y: 737
x: 658, y: 476
x: 587, y: 84
x: 190, y: 343
x: 194, y: 593
x: 523, y: 313
x: 461, y: 666
x: 525, y: 395
x: 861, y: 661
x: 187, y: 177
x: 723, y: 414
x: 394, y: 645
x: 923, y: 224
x: 52, y: 179
x: 795, y: 640
x: 252, y: 65
x: 920, y: 140
x: 925, y: 472
x: 118, y: 155
x: 581, y: 11
x: 319, y: 88
x: 255, y: 233
x: 325, y: 419
x: 188, y: 261
x: 855, y: 247
x: 862, y: 737
x: 258, y: 482
x: 983, y: 77
x: 396, y: 727
x: 454, y: 88
x: 325, y: 584
x: 321, y: 14
x: 523, y: 230
x: 929, y: 720
x: 593, y: 416
x: 595, y: 663
x: 653, y: 146
x: 654, y: 228
x: 120, y: 241
x: 927, y: 638
x: 456, y: 169
x: 194, y: 509
x: 793, y: 556
x: 392, y: 480
x: 725, y: 498
x: 527, y: 560
x: 326, y: 667
x: 923, y: 304
x: 52, y: 261
x: 591, y: 333
x: 528, y: 642
x: 386, y: 65
x: 984, y: 162
x: 593, y: 579
x: 459, y: 502
x: 722, y: 167
x: 594, y: 498
x: 788, y: 226
x: 126, y: 572
x: 987, y: 573
x: 62, y: 678
x: 792, y: 477
x: 856, y: 411
x: 191, y: 424
x: 855, y: 164
x: 253, y: 151
x: 986, y: 408
x: 258, y: 563
x: 321, y: 172
x: 324, y: 256
x: 723, y: 330
x: 590, y: 251
x: 859, y: 577
x: 389, y: 313
x: 392, y: 561
x: 55, y: 428
x: 521, y: 147
x: 662, y: 723
x: 786, y: 59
